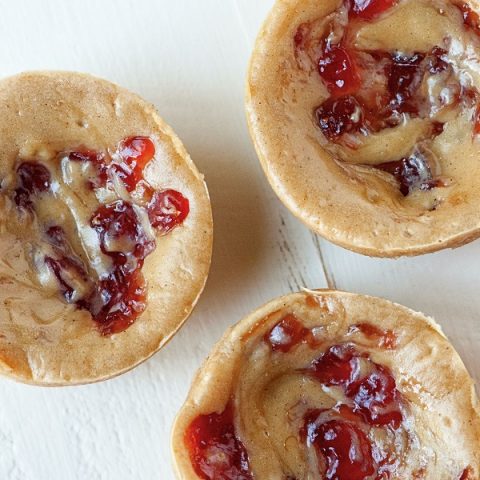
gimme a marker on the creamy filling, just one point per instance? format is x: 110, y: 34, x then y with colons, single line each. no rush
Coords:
x: 392, y: 93
x: 88, y: 221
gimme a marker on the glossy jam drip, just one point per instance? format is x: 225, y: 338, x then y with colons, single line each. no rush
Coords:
x: 215, y: 451
x: 372, y: 389
x: 120, y: 296
x: 383, y: 104
x: 287, y: 334
x: 467, y: 474
x: 470, y: 18
x: 167, y: 209
x: 339, y: 365
x: 33, y: 178
x: 338, y: 70
x: 411, y: 173
x: 135, y: 153
x: 376, y: 398
x: 385, y: 338
x: 404, y: 79
x: 121, y: 234
x: 338, y: 116
x: 345, y: 448
x: 125, y: 231
x: 369, y: 9
x: 119, y: 299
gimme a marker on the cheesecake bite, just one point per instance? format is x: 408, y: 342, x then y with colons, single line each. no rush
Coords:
x: 366, y: 118
x: 330, y: 385
x: 104, y: 216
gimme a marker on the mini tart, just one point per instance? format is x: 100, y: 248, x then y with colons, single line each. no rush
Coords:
x: 105, y: 229
x: 331, y: 385
x: 365, y: 116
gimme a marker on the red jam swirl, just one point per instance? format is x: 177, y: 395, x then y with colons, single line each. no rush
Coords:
x: 343, y: 447
x: 119, y: 296
x: 341, y: 435
x: 385, y: 338
x: 375, y: 90
x: 33, y: 179
x: 374, y: 394
x: 215, y: 451
x: 338, y: 70
x: 288, y: 333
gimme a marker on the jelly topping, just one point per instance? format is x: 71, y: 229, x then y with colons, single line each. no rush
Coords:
x: 339, y: 365
x: 124, y: 228
x: 370, y: 386
x: 411, y: 173
x: 338, y: 116
x: 386, y: 338
x: 338, y: 69
x: 33, y: 178
x: 470, y: 18
x: 134, y: 154
x: 341, y: 436
x: 287, y: 334
x: 373, y: 90
x: 167, y: 209
x: 344, y: 447
x: 215, y: 451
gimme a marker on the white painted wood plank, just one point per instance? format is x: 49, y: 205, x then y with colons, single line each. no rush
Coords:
x: 188, y: 58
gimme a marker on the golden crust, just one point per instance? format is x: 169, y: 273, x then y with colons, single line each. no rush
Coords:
x: 43, y: 341
x: 429, y: 374
x: 348, y: 206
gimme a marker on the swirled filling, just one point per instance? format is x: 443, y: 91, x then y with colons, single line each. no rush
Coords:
x: 380, y: 94
x: 310, y: 403
x: 96, y: 219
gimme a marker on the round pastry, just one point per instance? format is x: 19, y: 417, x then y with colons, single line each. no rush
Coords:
x: 106, y: 229
x: 366, y: 118
x: 330, y: 385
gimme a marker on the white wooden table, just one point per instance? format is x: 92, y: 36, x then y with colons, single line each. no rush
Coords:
x: 189, y: 58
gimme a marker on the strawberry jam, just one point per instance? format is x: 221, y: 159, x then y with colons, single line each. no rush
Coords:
x: 374, y: 90
x: 287, y: 334
x: 167, y: 209
x: 471, y: 19
x: 134, y: 153
x: 125, y: 229
x: 344, y: 447
x: 338, y: 70
x: 338, y: 116
x: 411, y: 173
x: 215, y: 451
x: 385, y: 338
x: 339, y: 365
x: 33, y: 178
x: 374, y: 394
x: 404, y: 78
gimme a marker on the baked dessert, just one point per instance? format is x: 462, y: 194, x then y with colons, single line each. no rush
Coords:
x: 330, y: 385
x: 366, y: 117
x: 105, y: 229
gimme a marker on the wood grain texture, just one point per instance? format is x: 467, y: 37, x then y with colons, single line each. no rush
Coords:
x: 189, y: 58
